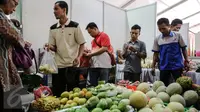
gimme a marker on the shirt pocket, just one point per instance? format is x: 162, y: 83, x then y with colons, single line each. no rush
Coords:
x: 69, y: 38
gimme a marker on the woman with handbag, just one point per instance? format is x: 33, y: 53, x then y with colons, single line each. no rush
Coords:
x: 9, y: 37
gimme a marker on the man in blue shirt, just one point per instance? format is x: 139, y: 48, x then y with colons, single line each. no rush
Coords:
x: 169, y: 46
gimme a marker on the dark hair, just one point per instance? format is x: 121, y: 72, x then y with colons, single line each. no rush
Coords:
x: 63, y: 5
x: 176, y: 22
x: 135, y: 27
x: 3, y: 2
x: 163, y: 20
x: 91, y: 25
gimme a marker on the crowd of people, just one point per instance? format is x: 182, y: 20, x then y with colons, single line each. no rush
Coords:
x: 67, y: 41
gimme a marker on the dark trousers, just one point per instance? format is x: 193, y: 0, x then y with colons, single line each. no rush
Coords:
x: 66, y: 76
x: 165, y: 75
x: 132, y: 76
x: 97, y: 74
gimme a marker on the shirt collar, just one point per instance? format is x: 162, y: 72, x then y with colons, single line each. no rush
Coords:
x: 67, y: 23
x: 133, y: 42
x: 170, y: 34
x: 98, y: 34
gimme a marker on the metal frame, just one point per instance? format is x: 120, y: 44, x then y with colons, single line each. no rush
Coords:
x: 161, y: 1
x: 128, y: 3
x: 195, y: 25
x: 191, y: 15
x: 171, y: 7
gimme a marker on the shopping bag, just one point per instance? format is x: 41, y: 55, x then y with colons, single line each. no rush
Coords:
x: 42, y: 91
x: 48, y: 64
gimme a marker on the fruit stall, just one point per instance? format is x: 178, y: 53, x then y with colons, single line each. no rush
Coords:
x: 125, y: 96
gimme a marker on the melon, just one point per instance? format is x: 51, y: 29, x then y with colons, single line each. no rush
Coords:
x: 157, y: 84
x: 166, y: 109
x: 177, y: 98
x: 185, y: 82
x: 164, y: 97
x: 161, y: 89
x: 192, y: 110
x: 145, y: 110
x: 176, y: 107
x: 154, y: 101
x: 174, y: 88
x: 161, y: 108
x: 138, y: 99
x: 158, y: 107
x: 190, y: 97
x: 151, y: 94
x: 144, y: 87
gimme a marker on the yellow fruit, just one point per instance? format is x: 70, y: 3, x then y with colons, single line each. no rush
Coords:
x: 71, y: 96
x: 74, y: 104
x: 65, y: 94
x: 63, y: 101
x: 67, y: 106
x: 82, y: 101
x: 76, y: 94
x: 88, y: 95
x: 71, y: 92
x: 69, y: 102
x: 76, y: 90
x: 76, y: 99
x: 81, y: 94
x: 85, y: 90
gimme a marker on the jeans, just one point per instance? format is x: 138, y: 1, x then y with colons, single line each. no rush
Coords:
x: 97, y: 74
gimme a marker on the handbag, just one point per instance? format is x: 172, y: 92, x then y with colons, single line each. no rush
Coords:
x: 22, y: 57
x: 112, y: 57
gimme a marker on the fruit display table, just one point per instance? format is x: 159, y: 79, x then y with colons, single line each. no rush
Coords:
x: 146, y: 75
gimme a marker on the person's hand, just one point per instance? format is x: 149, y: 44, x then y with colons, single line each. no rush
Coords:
x: 47, y: 47
x: 131, y: 48
x: 76, y: 61
x: 186, y: 66
x: 89, y: 55
x: 153, y: 70
x: 27, y: 44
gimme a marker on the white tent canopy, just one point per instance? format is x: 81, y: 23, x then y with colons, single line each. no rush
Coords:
x: 187, y: 10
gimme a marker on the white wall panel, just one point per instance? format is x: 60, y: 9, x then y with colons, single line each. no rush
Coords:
x: 37, y: 18
x: 146, y: 18
x: 115, y: 25
x: 86, y: 11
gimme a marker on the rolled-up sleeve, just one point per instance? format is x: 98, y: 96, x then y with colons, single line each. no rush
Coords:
x: 79, y: 36
x: 155, y: 46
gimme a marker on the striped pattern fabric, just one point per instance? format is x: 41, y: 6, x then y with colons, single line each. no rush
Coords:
x: 9, y: 37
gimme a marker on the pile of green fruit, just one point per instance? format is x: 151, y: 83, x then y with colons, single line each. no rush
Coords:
x: 77, y: 97
x: 107, y: 98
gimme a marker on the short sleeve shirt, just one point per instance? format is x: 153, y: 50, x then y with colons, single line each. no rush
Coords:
x: 103, y: 60
x: 169, y: 49
x: 133, y: 62
x: 67, y: 40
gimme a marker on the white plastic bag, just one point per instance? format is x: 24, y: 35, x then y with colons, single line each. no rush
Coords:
x: 48, y: 64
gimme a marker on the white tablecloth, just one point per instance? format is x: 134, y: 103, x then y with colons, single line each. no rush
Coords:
x: 147, y: 76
